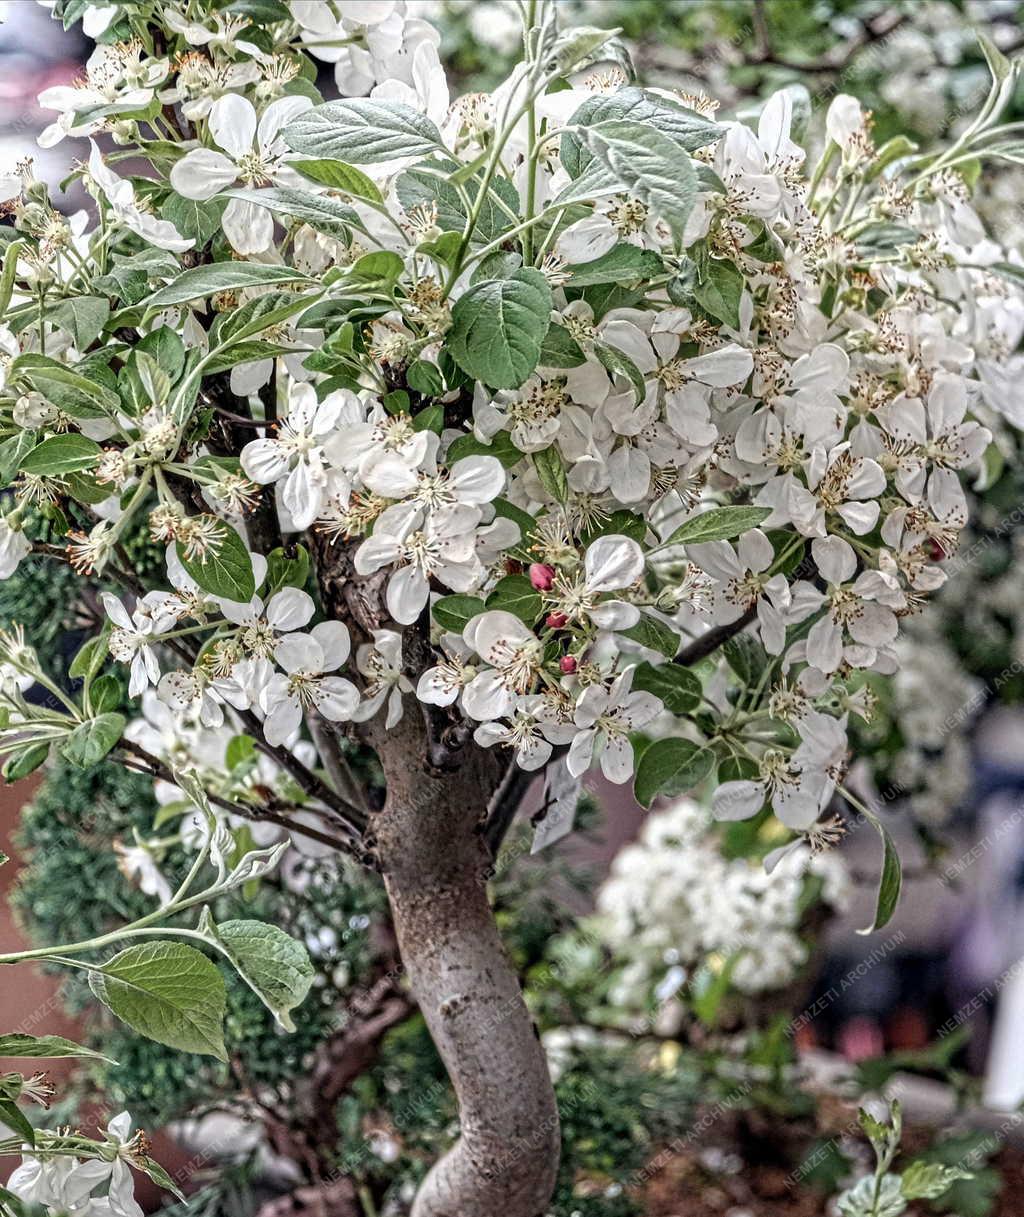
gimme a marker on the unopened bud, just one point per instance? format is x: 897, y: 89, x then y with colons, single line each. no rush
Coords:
x: 542, y: 576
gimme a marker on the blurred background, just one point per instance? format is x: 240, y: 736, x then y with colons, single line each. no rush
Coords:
x: 687, y: 956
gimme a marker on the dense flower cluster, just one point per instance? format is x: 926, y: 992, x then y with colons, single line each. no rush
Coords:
x: 674, y: 903
x: 569, y: 418
x: 581, y: 371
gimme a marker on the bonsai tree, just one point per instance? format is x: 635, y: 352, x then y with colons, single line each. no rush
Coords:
x: 487, y: 441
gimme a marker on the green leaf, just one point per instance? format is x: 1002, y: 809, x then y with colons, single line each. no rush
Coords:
x: 85, y: 489
x: 168, y: 992
x: 890, y: 882
x: 746, y: 656
x: 194, y: 219
x: 62, y: 454
x: 167, y: 348
x: 515, y: 594
x: 11, y: 1085
x: 671, y: 767
x: 998, y: 64
x: 444, y: 250
x: 241, y: 750
x: 320, y: 211
x: 89, y: 659
x: 894, y: 149
x: 13, y: 451
x: 647, y: 165
x: 497, y: 265
x: 930, y: 1180
x: 654, y: 634
x: 620, y: 364
x: 9, y: 274
x: 259, y: 12
x: 577, y: 45
x: 431, y: 186
x: 14, y: 1205
x: 160, y: 1177
x: 453, y: 612
x: 603, y: 297
x: 128, y: 278
x: 45, y: 1047
x: 551, y: 470
x: 383, y: 265
x: 1008, y: 271
x: 272, y: 963
x: 624, y: 263
x: 226, y: 569
x: 63, y: 387
x: 285, y: 571
x: 718, y: 524
x: 252, y: 351
x: 425, y: 378
x: 720, y: 291
x: 21, y: 764
x: 362, y: 131
x: 686, y: 127
x: 498, y: 328
x: 560, y: 350
x: 619, y: 523
x: 500, y: 447
x: 885, y: 237
x: 12, y: 1116
x: 765, y: 247
x: 429, y: 419
x: 738, y: 769
x: 202, y: 281
x: 82, y: 316
x: 339, y: 176
x: 677, y: 687
x: 257, y: 315
x: 397, y: 402
x: 105, y: 694
x: 90, y: 741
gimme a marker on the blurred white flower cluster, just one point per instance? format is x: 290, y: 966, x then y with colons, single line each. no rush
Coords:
x: 674, y: 900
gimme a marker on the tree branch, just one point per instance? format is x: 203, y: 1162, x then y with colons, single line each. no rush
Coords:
x: 350, y: 818
x: 138, y: 760
x: 338, y: 769
x: 229, y: 436
x: 712, y: 639
x: 508, y: 798
x: 872, y: 31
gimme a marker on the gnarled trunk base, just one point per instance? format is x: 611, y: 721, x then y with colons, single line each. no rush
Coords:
x: 434, y: 863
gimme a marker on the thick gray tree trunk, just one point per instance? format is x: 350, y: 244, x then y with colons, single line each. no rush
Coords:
x: 434, y: 864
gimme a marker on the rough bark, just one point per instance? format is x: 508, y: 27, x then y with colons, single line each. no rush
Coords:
x: 428, y: 843
x: 434, y: 862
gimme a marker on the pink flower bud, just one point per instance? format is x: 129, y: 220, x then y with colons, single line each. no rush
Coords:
x: 557, y: 620
x: 568, y: 664
x: 542, y: 576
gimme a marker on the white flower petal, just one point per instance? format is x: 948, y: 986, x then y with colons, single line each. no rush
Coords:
x: 612, y: 563
x: 233, y: 125
x: 202, y: 173
x: 408, y: 592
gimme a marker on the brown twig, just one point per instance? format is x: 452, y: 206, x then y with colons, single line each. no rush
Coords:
x: 139, y: 760
x: 712, y: 639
